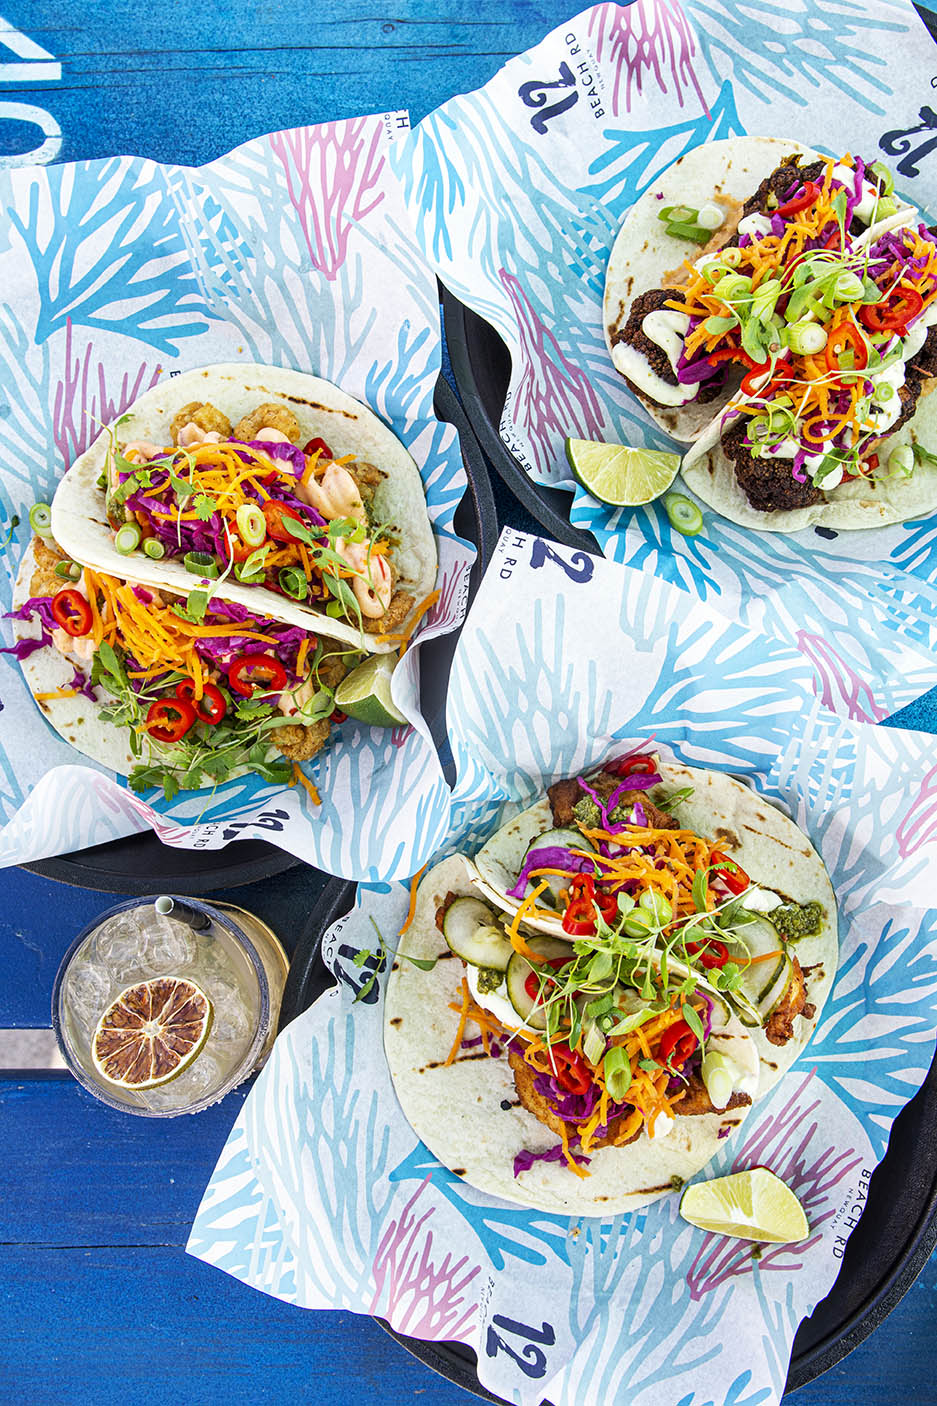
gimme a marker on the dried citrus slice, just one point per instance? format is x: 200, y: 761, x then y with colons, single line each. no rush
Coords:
x: 151, y: 1032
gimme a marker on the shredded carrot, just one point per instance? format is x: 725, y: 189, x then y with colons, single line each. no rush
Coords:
x: 56, y: 693
x: 457, y: 1042
x: 300, y: 776
x: 415, y: 616
x: 765, y: 957
x: 518, y: 942
x: 412, y: 909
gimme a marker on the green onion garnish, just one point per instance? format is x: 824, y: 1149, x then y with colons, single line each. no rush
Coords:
x: 127, y: 539
x: 684, y: 515
x: 154, y: 548
x: 616, y: 1067
x: 293, y: 582
x: 40, y: 519
x: 69, y: 569
x: 200, y: 564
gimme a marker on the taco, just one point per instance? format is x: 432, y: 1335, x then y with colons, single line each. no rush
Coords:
x: 691, y: 864
x: 134, y: 679
x: 293, y: 498
x: 796, y: 350
x: 586, y: 1091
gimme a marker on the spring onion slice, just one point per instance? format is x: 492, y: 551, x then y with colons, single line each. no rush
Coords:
x: 154, y: 548
x: 684, y: 515
x: 69, y: 569
x: 127, y: 539
x: 40, y: 519
x: 200, y: 564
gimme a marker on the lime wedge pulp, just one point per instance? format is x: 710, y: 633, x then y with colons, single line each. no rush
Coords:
x: 752, y: 1205
x: 620, y: 476
x: 365, y: 693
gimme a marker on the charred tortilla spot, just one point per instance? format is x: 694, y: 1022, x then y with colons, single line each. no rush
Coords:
x: 459, y: 1171
x: 396, y: 1020
x: 727, y: 837
x: 650, y: 1190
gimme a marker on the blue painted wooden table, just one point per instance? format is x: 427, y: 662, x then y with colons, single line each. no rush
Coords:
x: 96, y: 1296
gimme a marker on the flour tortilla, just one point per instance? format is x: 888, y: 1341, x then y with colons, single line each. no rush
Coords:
x: 644, y: 255
x: 772, y: 850
x: 456, y: 1109
x: 79, y: 521
x: 709, y: 473
x: 78, y: 719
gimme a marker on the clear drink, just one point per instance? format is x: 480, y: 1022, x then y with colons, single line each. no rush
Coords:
x: 228, y: 962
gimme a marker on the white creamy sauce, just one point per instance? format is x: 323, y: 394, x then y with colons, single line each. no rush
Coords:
x: 755, y: 226
x: 758, y: 900
x: 667, y: 328
x: 662, y: 1125
x: 787, y: 449
x: 639, y: 371
x: 495, y: 1001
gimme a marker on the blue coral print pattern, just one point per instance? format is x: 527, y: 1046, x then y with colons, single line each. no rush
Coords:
x: 118, y: 272
x: 518, y: 215
x: 326, y: 1198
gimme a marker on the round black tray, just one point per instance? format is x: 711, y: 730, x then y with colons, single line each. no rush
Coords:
x: 885, y: 1253
x: 140, y: 863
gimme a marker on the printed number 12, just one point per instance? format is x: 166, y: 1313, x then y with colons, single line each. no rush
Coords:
x: 532, y: 1360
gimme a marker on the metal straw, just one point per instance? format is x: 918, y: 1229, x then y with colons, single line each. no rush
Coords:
x: 193, y: 918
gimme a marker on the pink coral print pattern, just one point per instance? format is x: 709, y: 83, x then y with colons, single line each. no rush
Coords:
x: 332, y: 174
x: 410, y: 1291
x: 783, y: 1143
x: 553, y: 398
x: 839, y: 684
x: 919, y: 825
x: 650, y: 36
x: 79, y: 412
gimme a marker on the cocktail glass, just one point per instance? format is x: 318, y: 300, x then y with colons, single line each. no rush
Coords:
x: 231, y: 955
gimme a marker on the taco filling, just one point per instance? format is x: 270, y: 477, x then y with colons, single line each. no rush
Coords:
x: 198, y: 690
x: 248, y: 500
x: 601, y: 1047
x: 812, y: 322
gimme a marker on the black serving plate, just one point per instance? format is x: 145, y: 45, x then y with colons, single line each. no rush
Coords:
x: 885, y: 1253
x: 141, y: 863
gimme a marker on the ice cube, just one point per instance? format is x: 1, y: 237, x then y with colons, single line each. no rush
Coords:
x: 85, y: 993
x: 118, y: 945
x: 168, y: 946
x: 193, y: 1084
x: 232, y: 1020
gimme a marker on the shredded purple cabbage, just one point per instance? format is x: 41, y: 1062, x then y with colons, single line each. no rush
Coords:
x: 82, y: 684
x: 550, y: 857
x: 524, y: 1160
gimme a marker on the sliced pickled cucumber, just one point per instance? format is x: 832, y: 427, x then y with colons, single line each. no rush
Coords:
x: 471, y: 932
x: 529, y: 1008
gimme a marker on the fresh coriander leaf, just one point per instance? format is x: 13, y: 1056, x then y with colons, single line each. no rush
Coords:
x: 693, y: 1021
x: 650, y: 1066
x: 204, y: 506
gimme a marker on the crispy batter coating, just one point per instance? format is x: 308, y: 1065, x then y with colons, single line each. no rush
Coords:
x: 694, y: 1100
x: 367, y: 477
x: 332, y: 669
x: 535, y: 1103
x: 780, y: 1027
x: 268, y: 416
x: 298, y: 742
x: 44, y: 581
x: 400, y: 606
x: 200, y: 413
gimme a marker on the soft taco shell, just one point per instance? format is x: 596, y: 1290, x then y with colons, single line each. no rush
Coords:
x: 644, y: 256
x: 709, y: 473
x: 457, y: 1109
x: 80, y: 525
x: 773, y: 851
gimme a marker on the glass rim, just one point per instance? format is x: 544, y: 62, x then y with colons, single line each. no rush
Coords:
x: 242, y: 1070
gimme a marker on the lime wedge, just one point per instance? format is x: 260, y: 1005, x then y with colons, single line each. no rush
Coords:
x: 753, y: 1205
x: 623, y: 477
x: 365, y: 693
